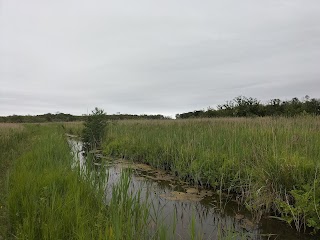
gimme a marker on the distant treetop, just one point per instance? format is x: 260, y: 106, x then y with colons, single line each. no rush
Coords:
x: 251, y: 107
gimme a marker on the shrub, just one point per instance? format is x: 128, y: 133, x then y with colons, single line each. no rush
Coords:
x: 94, y: 130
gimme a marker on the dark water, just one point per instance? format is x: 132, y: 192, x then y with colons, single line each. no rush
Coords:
x: 181, y: 207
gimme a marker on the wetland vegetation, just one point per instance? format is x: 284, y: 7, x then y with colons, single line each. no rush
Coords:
x: 270, y: 166
x: 44, y: 197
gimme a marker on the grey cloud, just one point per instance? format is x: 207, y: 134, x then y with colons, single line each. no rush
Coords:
x: 154, y: 56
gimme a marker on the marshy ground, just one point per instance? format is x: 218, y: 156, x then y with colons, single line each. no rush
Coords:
x: 238, y: 172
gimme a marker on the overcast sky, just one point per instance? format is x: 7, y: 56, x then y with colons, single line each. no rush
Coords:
x: 148, y: 56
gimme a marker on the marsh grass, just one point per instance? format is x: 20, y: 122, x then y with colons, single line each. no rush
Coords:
x: 261, y: 160
x: 48, y: 199
x: 271, y: 164
x: 12, y: 145
x: 73, y: 128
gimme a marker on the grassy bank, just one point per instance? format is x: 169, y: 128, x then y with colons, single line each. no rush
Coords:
x: 272, y: 164
x: 12, y: 145
x: 45, y: 198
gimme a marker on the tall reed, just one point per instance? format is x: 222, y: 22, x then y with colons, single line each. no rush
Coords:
x: 12, y: 145
x: 261, y: 159
x: 48, y: 199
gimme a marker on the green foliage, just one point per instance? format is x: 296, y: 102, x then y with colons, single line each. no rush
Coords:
x: 73, y: 128
x: 48, y: 117
x: 62, y: 117
x: 94, y: 129
x: 12, y: 144
x: 260, y: 159
x: 47, y: 198
x: 304, y: 208
x: 251, y: 107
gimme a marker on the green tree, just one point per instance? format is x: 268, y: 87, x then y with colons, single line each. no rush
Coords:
x: 94, y: 130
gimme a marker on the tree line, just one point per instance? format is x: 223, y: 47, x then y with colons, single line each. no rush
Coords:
x: 251, y: 107
x: 238, y: 107
x: 63, y: 117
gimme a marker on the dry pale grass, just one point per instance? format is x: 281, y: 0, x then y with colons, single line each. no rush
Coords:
x: 7, y: 128
x: 74, y: 128
x: 11, y: 126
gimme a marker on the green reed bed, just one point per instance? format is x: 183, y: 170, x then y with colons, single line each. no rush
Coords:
x: 12, y: 145
x: 272, y: 164
x: 73, y: 128
x: 48, y: 199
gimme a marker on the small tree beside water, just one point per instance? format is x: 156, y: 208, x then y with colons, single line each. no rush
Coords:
x: 94, y: 130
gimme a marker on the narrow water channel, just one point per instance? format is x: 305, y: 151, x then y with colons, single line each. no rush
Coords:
x: 180, y: 206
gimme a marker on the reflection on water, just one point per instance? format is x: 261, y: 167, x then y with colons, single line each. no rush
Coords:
x: 179, y: 214
x: 175, y: 204
x: 76, y: 151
